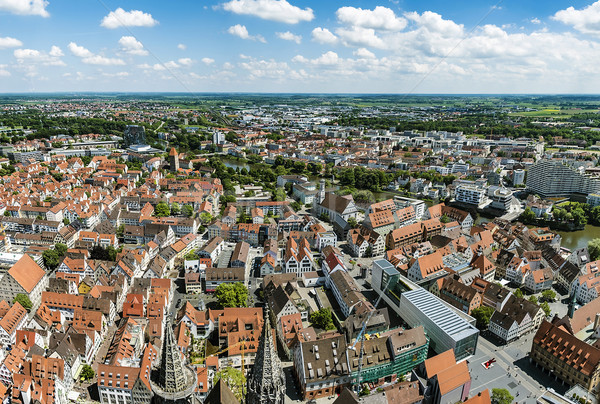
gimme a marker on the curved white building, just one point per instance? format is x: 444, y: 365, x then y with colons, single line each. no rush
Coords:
x: 549, y: 178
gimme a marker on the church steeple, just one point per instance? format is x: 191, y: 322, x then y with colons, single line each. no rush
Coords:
x: 174, y: 160
x: 175, y: 382
x: 266, y: 383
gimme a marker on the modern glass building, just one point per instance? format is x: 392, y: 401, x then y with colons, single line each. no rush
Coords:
x: 445, y: 329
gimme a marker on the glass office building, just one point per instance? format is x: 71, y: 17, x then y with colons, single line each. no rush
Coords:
x: 445, y: 329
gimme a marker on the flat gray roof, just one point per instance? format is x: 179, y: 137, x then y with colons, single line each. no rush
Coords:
x: 446, y: 319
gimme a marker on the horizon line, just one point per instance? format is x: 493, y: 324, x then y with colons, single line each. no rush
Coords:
x: 3, y: 94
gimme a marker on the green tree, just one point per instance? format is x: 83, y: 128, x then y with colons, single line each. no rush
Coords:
x: 191, y: 256
x: 234, y: 379
x: 548, y: 295
x: 533, y: 299
x: 23, y: 300
x: 175, y: 209
x: 352, y: 222
x: 322, y: 319
x: 87, y: 373
x: 279, y: 195
x: 206, y: 217
x: 369, y: 252
x: 518, y: 293
x: 162, y: 210
x: 594, y: 249
x: 232, y: 295
x: 296, y: 206
x: 527, y: 216
x: 188, y: 210
x: 61, y: 249
x: 231, y: 137
x: 501, y: 396
x: 104, y: 254
x: 482, y: 315
x: 546, y: 307
x: 445, y: 219
x: 121, y: 231
x: 51, y: 259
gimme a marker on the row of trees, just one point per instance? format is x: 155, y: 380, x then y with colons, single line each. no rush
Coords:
x: 577, y: 213
x: 361, y: 178
x: 162, y: 209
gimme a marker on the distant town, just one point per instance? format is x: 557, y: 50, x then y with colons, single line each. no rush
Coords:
x: 299, y: 248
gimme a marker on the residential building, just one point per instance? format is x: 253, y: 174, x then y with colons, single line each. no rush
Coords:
x: 25, y: 277
x: 218, y: 276
x: 552, y: 178
x: 460, y: 295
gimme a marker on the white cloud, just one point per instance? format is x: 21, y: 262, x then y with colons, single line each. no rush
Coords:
x: 79, y: 51
x: 364, y: 53
x: 323, y: 35
x: 288, y: 36
x: 535, y: 21
x: 122, y: 18
x: 118, y: 75
x: 3, y: 71
x: 434, y: 23
x: 56, y: 51
x: 132, y: 46
x: 25, y: 7
x: 586, y: 20
x: 273, y: 10
x: 242, y: 32
x: 159, y: 67
x: 34, y: 56
x: 8, y: 42
x: 380, y: 18
x: 103, y: 61
x: 328, y: 59
x: 358, y: 36
x: 181, y: 46
x: 185, y: 61
x: 90, y: 58
x: 239, y: 31
x: 208, y: 61
x: 272, y: 70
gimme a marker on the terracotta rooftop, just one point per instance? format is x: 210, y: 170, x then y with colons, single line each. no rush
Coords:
x: 27, y: 273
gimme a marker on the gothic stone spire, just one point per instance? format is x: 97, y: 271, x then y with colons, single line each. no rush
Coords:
x: 171, y: 377
x: 266, y: 383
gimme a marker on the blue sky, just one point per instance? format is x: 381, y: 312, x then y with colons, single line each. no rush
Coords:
x: 376, y: 46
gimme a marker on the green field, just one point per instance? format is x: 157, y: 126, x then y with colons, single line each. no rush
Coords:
x: 555, y: 112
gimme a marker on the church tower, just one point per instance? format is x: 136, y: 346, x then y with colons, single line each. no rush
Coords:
x: 319, y: 197
x: 172, y: 382
x: 174, y: 160
x: 266, y: 383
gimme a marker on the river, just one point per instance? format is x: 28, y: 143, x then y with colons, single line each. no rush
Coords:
x: 234, y: 163
x: 580, y: 238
